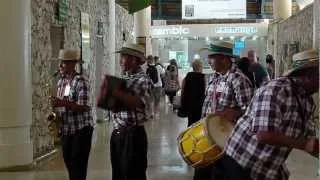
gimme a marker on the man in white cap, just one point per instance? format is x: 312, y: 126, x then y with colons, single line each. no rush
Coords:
x: 72, y: 107
x: 228, y: 92
x: 128, y: 144
x: 279, y: 119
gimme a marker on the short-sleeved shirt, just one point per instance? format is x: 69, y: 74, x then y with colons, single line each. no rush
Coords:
x: 274, y: 108
x: 232, y: 90
x: 79, y: 92
x: 160, y: 72
x: 211, y: 95
x: 140, y: 85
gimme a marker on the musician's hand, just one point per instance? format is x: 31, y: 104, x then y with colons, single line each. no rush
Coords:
x: 229, y: 114
x: 312, y: 147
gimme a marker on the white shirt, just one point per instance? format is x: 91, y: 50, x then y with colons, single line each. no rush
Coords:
x: 160, y: 71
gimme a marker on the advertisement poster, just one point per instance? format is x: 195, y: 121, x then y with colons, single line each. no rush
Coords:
x: 214, y: 9
x: 181, y: 58
x: 85, y: 42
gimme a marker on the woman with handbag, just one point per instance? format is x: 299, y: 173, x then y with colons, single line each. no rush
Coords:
x: 192, y: 94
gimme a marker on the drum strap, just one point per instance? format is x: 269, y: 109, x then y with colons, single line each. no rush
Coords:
x: 214, y: 96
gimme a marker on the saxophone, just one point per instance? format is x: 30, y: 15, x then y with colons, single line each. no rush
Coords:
x: 54, y: 122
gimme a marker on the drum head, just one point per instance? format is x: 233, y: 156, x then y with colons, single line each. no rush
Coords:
x: 218, y: 129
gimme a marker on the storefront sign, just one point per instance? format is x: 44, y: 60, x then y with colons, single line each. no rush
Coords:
x: 171, y: 31
x: 233, y: 30
x: 210, y: 30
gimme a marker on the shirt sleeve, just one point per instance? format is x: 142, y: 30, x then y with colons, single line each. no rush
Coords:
x: 238, y: 92
x: 83, y: 92
x: 142, y: 88
x: 311, y: 124
x: 160, y: 69
x: 266, y: 110
x: 243, y: 91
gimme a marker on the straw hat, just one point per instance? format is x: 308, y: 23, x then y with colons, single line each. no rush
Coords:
x: 69, y: 55
x: 220, y: 47
x: 134, y: 50
x: 304, y: 60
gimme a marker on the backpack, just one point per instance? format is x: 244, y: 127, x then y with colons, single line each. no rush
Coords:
x: 159, y: 64
x: 153, y: 73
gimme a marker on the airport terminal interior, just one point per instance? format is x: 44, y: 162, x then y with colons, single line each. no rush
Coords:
x: 97, y: 89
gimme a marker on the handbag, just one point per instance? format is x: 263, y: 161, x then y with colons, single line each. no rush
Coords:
x: 182, y: 111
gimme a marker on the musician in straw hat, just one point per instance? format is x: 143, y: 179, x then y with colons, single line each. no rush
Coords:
x: 128, y: 144
x: 72, y: 106
x: 228, y: 92
x: 279, y: 119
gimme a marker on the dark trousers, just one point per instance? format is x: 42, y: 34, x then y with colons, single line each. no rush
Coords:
x: 171, y: 95
x: 202, y: 173
x: 128, y: 149
x: 227, y: 168
x: 194, y: 117
x: 76, y: 150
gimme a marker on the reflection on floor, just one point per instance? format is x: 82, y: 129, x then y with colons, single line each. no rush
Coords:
x: 164, y: 160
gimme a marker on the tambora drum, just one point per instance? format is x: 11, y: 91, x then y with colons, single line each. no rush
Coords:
x: 202, y: 143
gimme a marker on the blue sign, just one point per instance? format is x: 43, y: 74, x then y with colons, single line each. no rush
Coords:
x: 239, y: 44
x: 237, y: 52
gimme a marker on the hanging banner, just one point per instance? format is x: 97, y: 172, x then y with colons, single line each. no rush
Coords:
x: 214, y: 9
x: 85, y: 42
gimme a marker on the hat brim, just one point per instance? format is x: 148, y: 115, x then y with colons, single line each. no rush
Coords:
x: 71, y: 60
x: 140, y: 56
x: 68, y: 59
x: 59, y: 59
x: 221, y: 53
x: 310, y: 65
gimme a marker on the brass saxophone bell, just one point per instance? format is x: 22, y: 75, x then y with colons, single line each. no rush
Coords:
x: 52, y: 117
x: 54, y: 124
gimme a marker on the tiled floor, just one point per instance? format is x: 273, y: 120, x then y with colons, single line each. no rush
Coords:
x: 164, y: 161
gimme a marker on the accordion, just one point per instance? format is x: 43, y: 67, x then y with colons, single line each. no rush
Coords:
x: 105, y: 99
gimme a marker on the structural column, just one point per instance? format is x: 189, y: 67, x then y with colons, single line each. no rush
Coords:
x: 142, y: 24
x: 282, y: 9
x: 316, y: 25
x: 112, y: 36
x: 16, y: 148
